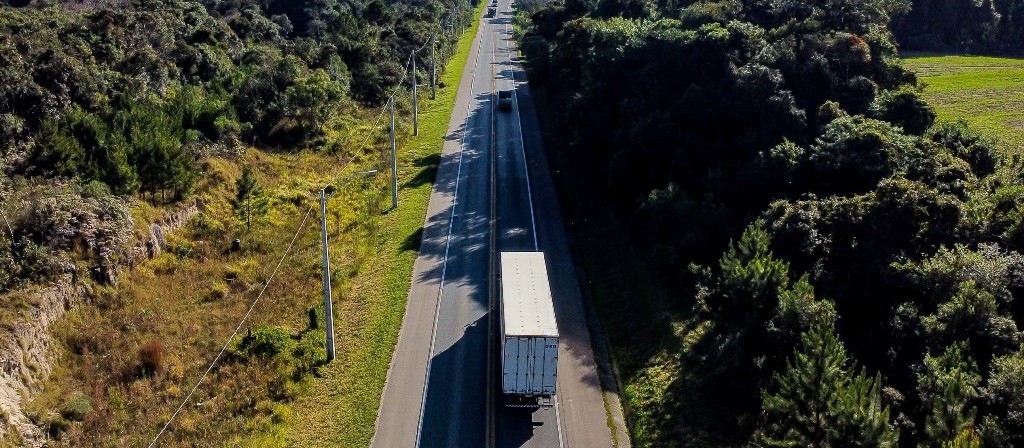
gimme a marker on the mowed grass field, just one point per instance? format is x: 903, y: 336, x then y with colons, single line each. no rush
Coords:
x: 988, y: 92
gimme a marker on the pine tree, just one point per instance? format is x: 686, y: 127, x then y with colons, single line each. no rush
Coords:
x: 968, y: 438
x: 818, y: 402
x: 950, y: 415
x: 946, y: 385
x: 249, y: 200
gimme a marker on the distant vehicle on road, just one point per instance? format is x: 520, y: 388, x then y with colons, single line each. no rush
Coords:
x: 529, y: 332
x: 490, y: 12
x: 505, y: 100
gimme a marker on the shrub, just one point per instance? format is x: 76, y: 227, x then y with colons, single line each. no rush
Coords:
x: 218, y: 291
x: 905, y: 108
x: 266, y: 341
x: 151, y: 357
x: 311, y: 351
x: 182, y: 250
x: 76, y: 407
x: 968, y: 144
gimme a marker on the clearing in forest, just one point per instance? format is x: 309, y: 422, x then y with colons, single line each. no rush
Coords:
x: 986, y: 91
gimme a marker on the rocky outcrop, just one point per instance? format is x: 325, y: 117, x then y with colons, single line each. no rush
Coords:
x: 25, y: 342
x: 26, y: 347
x: 152, y: 244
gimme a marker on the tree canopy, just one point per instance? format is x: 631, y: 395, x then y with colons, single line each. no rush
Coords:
x: 789, y: 135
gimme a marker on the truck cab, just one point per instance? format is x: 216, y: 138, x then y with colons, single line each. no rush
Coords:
x: 505, y: 100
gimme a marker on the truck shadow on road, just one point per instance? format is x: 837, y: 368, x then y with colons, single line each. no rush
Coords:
x: 454, y: 414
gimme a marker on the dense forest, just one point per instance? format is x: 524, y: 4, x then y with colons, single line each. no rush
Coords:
x: 814, y: 261
x: 988, y: 26
x: 104, y: 100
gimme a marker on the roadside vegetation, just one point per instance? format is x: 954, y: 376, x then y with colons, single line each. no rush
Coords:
x: 985, y: 91
x: 784, y: 245
x: 87, y: 103
x: 342, y: 408
x: 244, y: 110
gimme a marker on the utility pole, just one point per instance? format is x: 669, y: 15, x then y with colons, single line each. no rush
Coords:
x: 9, y: 228
x: 394, y: 160
x: 415, y: 109
x: 433, y: 70
x: 328, y: 308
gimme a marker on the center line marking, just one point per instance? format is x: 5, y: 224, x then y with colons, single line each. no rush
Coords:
x: 522, y: 146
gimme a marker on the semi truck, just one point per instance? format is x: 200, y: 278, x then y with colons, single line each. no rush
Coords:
x: 529, y: 331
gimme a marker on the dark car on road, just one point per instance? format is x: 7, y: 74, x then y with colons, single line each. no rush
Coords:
x: 505, y: 100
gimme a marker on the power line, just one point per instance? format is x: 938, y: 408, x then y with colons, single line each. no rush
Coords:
x: 405, y: 74
x: 234, y: 333
x: 370, y: 133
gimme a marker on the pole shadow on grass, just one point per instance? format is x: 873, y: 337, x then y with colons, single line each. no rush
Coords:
x: 428, y: 171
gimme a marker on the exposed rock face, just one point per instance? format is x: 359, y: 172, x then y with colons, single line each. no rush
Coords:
x: 25, y: 343
x: 25, y: 353
x: 154, y: 243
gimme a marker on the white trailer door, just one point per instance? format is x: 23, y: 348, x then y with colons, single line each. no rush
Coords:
x: 550, y: 366
x: 523, y: 365
x: 509, y: 350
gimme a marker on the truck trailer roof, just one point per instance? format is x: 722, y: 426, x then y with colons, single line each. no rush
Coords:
x: 527, y: 309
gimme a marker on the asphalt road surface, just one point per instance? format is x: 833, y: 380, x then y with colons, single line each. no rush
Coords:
x: 493, y: 192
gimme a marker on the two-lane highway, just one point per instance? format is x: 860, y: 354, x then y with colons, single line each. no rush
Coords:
x: 442, y: 387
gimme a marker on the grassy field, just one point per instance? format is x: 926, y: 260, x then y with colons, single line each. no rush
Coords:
x: 988, y: 92
x: 188, y: 300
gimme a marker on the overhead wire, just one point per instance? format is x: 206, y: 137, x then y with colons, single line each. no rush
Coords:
x: 370, y: 133
x: 234, y: 333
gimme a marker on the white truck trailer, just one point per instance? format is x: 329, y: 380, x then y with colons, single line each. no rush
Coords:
x: 529, y: 333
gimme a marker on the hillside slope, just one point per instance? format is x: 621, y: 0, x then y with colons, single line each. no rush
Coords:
x: 126, y: 127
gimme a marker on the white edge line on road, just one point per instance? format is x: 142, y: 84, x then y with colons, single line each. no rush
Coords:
x: 447, y: 244
x: 558, y: 423
x: 522, y: 144
x: 529, y: 193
